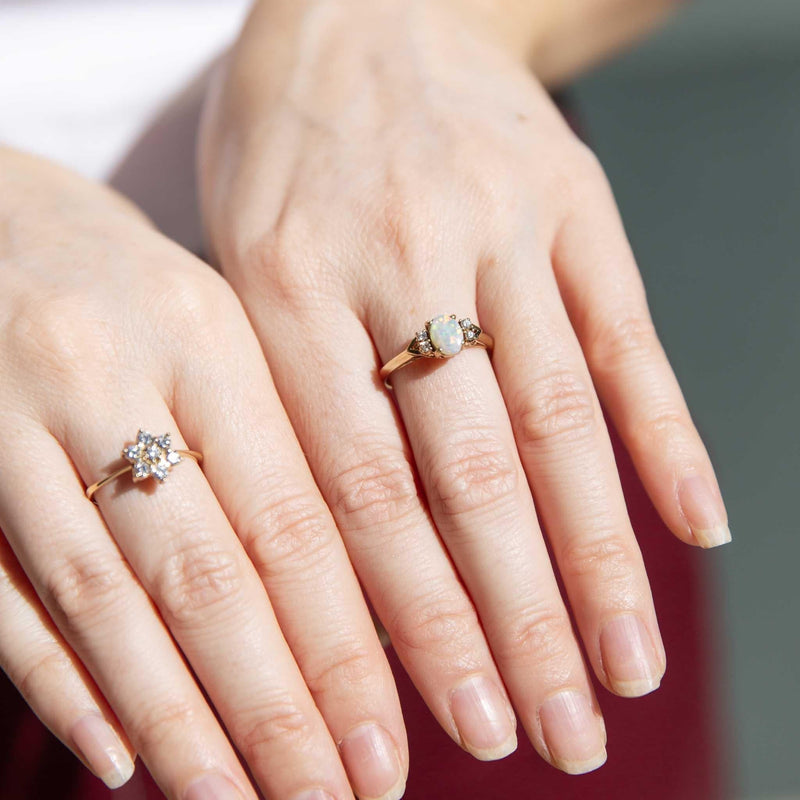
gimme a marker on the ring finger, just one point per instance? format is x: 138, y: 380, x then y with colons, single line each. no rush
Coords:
x: 466, y: 456
x: 108, y: 620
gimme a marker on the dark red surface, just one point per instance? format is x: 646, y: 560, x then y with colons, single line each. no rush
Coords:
x: 660, y: 747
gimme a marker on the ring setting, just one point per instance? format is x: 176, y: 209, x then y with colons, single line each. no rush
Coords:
x: 148, y: 456
x: 443, y: 336
x: 151, y: 456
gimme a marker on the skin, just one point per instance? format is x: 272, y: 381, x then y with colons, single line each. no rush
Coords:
x: 240, y: 563
x: 364, y: 166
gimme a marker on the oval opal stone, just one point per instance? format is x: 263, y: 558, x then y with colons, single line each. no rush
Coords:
x: 446, y: 335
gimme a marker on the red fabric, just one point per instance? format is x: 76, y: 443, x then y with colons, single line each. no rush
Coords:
x: 661, y: 747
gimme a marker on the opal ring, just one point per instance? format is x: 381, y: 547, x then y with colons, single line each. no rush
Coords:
x: 148, y: 457
x: 442, y: 337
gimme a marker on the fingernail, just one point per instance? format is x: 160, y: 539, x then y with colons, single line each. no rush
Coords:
x: 481, y: 716
x: 314, y: 794
x: 572, y: 732
x: 103, y: 750
x: 704, y: 512
x: 628, y: 656
x: 372, y: 763
x: 212, y: 787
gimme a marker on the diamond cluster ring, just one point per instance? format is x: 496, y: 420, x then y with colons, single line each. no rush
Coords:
x: 443, y: 336
x: 148, y: 457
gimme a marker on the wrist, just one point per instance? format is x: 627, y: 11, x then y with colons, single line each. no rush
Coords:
x: 519, y: 27
x: 513, y: 26
x: 556, y: 39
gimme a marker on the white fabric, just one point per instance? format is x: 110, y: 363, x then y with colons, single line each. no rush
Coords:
x: 80, y: 79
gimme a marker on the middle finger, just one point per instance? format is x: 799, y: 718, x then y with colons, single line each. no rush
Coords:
x: 186, y: 555
x: 360, y: 460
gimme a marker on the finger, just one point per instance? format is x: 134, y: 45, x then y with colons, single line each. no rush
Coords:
x: 567, y: 455
x: 605, y: 298
x: 466, y: 456
x: 189, y: 560
x: 259, y: 474
x: 360, y: 460
x: 52, y: 680
x: 108, y: 620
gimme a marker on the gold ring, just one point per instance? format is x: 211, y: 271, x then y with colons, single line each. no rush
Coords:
x: 148, y: 457
x: 442, y: 337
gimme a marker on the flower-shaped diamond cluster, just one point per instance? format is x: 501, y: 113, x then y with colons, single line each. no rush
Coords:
x: 151, y: 456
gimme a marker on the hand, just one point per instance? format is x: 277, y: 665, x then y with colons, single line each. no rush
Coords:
x: 364, y: 168
x: 105, y: 326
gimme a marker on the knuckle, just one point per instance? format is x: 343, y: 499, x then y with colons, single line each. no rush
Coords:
x: 158, y: 726
x: 198, y: 580
x: 660, y: 430
x: 398, y: 227
x: 478, y: 473
x: 607, y: 559
x: 380, y: 488
x: 289, y: 535
x: 281, y: 260
x: 538, y: 634
x: 628, y: 339
x: 274, y: 722
x: 350, y: 666
x: 39, y: 678
x: 560, y: 406
x: 191, y: 302
x: 85, y: 588
x: 585, y: 168
x: 440, y: 623
x: 54, y: 336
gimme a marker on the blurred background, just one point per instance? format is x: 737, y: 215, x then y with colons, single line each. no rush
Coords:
x: 699, y: 131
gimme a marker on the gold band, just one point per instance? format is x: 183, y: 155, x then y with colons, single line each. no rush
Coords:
x: 90, y: 490
x: 443, y: 337
x: 149, y: 457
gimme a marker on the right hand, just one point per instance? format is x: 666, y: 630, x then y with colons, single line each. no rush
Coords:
x: 105, y: 327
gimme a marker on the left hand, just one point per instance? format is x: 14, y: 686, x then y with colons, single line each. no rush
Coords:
x: 364, y: 168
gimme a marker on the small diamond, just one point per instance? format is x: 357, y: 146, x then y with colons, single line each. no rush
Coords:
x: 466, y: 323
x: 173, y: 457
x: 141, y: 470
x: 145, y: 438
x: 422, y: 335
x: 164, y: 441
x: 469, y: 334
x: 425, y: 347
x: 131, y: 452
